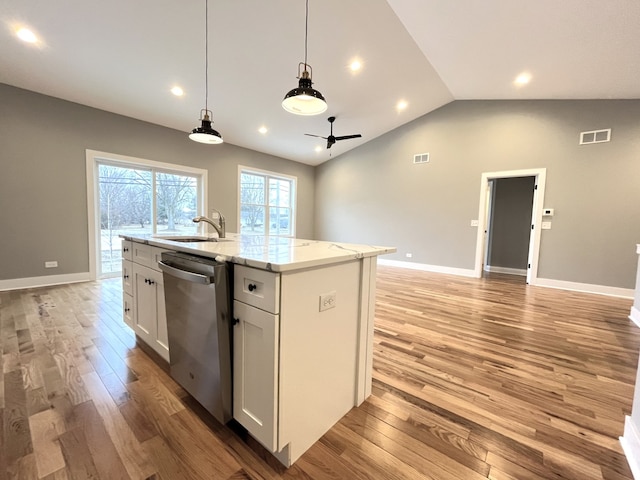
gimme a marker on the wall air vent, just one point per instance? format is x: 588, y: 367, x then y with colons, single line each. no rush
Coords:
x: 421, y: 158
x: 595, y: 136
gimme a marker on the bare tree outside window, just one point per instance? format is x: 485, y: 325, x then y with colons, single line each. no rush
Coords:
x: 266, y: 203
x: 127, y: 196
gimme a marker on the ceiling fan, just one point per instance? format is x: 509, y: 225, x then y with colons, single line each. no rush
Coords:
x: 331, y: 139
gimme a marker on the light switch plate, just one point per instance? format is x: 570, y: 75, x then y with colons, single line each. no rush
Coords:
x: 546, y: 225
x: 474, y: 223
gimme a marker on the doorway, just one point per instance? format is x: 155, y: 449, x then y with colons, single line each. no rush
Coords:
x: 493, y: 243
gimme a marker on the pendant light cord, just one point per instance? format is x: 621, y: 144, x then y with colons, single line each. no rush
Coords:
x: 206, y: 55
x: 306, y: 34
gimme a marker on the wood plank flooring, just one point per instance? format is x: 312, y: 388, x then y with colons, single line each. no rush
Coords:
x: 473, y: 379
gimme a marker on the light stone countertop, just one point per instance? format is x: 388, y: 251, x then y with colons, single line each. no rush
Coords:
x: 276, y: 254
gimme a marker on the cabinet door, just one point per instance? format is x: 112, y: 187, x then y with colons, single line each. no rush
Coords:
x: 161, y: 344
x: 255, y: 372
x: 144, y: 318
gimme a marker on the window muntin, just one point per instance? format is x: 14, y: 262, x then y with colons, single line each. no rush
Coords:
x: 267, y: 203
x: 137, y: 199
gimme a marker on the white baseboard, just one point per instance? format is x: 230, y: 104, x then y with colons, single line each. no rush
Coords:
x: 631, y: 446
x: 585, y: 287
x: 46, y: 281
x: 510, y: 271
x: 463, y: 272
x: 634, y: 316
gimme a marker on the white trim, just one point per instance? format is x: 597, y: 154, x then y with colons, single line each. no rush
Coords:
x: 634, y: 316
x: 538, y: 201
x: 509, y: 271
x: 45, y: 281
x: 294, y: 202
x: 631, y: 446
x: 585, y: 288
x: 462, y: 272
x: 94, y: 156
x: 540, y: 282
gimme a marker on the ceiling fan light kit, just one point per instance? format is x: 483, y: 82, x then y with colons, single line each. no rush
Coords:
x: 205, y: 133
x: 304, y: 100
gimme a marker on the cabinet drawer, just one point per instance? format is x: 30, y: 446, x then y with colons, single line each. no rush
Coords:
x: 257, y: 287
x: 142, y: 254
x: 156, y: 253
x: 127, y: 251
x: 127, y: 277
x: 127, y: 307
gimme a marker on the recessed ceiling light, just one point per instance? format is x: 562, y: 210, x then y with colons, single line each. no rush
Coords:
x: 26, y: 35
x: 263, y: 129
x: 401, y: 105
x: 523, y: 78
x: 318, y: 148
x: 177, y: 91
x: 355, y: 65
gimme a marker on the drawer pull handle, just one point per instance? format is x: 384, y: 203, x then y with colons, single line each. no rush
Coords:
x: 252, y: 287
x: 236, y: 321
x: 149, y: 281
x: 125, y: 249
x: 126, y: 310
x: 125, y: 277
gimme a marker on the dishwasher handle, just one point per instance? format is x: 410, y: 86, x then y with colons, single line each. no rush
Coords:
x: 184, y: 274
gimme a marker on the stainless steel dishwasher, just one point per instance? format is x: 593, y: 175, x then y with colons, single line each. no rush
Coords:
x: 199, y: 324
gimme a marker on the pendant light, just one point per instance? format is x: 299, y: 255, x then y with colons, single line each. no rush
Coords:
x: 205, y: 133
x: 304, y: 100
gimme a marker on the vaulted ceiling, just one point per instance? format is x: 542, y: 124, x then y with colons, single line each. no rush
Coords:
x: 124, y: 57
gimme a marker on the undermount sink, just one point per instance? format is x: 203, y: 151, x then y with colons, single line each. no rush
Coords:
x: 193, y: 239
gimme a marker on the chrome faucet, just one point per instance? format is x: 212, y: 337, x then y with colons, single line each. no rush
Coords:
x: 220, y: 228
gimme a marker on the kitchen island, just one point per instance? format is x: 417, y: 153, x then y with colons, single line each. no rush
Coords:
x: 303, y: 334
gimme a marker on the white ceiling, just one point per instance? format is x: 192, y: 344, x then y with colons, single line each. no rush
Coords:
x: 123, y: 56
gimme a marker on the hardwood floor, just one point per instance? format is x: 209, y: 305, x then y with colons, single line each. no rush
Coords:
x: 473, y: 379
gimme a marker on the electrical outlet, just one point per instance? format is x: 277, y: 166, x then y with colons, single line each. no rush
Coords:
x: 546, y: 225
x: 408, y: 255
x: 52, y: 264
x: 327, y: 301
x: 474, y: 223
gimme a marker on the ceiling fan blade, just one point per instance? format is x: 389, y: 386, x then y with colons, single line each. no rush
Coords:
x: 347, y: 137
x: 310, y: 135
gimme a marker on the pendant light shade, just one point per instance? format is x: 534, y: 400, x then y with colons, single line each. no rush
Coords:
x: 205, y: 133
x: 304, y: 100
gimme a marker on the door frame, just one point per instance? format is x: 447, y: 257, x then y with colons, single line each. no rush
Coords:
x: 540, y: 175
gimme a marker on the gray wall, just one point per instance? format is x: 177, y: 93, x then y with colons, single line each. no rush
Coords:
x: 510, y: 229
x: 43, y: 199
x: 376, y: 194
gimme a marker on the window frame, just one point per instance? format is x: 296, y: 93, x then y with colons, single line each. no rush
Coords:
x: 267, y: 174
x: 95, y: 158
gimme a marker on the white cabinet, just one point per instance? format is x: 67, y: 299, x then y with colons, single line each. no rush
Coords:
x: 143, y: 297
x: 255, y: 374
x: 255, y: 352
x: 296, y: 364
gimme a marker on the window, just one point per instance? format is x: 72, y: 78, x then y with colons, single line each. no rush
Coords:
x: 267, y: 203
x: 136, y: 196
